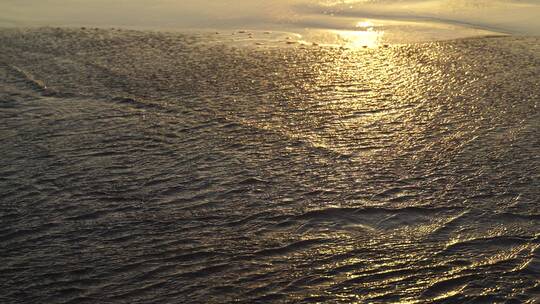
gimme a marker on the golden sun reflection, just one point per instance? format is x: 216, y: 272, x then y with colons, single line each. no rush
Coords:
x: 359, y: 39
x: 365, y: 36
x: 365, y: 24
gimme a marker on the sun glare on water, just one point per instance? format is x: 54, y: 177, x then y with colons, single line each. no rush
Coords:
x: 366, y: 35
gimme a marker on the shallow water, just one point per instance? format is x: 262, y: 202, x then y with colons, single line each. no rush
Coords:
x: 148, y: 167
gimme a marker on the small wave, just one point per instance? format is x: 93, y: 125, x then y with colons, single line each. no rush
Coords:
x: 448, y: 287
x: 485, y: 245
x: 32, y: 82
x: 136, y: 103
x: 289, y: 248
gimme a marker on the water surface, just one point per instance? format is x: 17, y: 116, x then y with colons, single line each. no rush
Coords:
x: 153, y: 167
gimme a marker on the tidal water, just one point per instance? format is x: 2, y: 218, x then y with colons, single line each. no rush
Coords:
x: 153, y: 167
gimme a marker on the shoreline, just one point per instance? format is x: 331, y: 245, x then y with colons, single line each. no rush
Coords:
x: 349, y: 39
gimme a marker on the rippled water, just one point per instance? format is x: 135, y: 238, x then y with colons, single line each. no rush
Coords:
x: 146, y: 167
